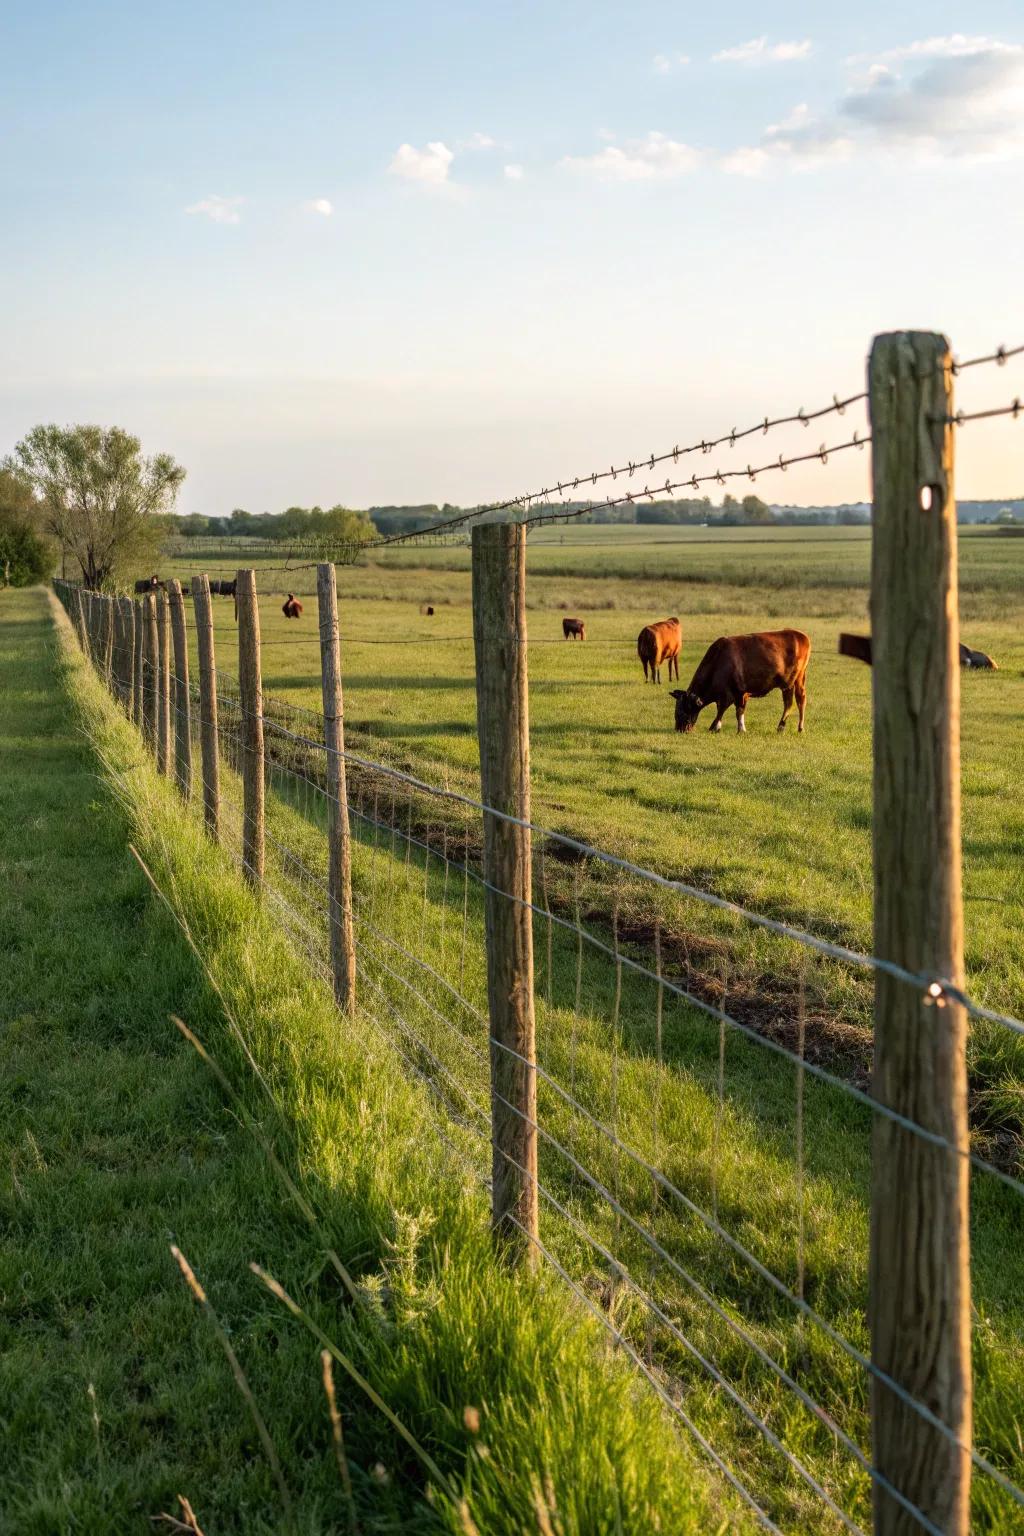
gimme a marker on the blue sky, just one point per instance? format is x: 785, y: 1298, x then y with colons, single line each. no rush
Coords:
x: 399, y: 252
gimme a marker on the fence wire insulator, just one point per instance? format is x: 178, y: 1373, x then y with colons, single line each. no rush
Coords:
x: 801, y: 417
x: 840, y: 408
x: 751, y: 473
x: 823, y: 454
x: 782, y: 463
x: 764, y: 428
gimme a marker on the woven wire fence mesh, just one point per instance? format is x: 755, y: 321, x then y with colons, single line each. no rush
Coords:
x: 704, y: 1146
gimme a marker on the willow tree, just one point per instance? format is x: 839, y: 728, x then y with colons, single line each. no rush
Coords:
x: 101, y: 498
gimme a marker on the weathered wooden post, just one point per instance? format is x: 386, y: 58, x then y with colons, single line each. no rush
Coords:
x: 250, y: 691
x: 81, y: 627
x: 127, y: 608
x: 499, y: 634
x: 108, y: 641
x: 919, y: 1304
x: 163, y: 683
x: 339, y: 871
x: 207, y: 704
x: 138, y: 667
x: 151, y: 667
x: 182, y: 696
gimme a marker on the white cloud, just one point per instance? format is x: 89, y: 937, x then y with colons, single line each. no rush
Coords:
x: 222, y: 210
x: 665, y: 63
x: 429, y: 165
x: 955, y: 46
x: 321, y: 205
x: 656, y: 157
x: 477, y: 141
x: 941, y: 98
x: 759, y: 51
x: 513, y: 173
x: 966, y: 99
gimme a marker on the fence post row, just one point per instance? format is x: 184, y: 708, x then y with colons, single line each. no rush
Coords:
x: 250, y: 689
x: 919, y: 1299
x: 339, y: 875
x: 207, y: 704
x: 182, y: 697
x: 499, y: 635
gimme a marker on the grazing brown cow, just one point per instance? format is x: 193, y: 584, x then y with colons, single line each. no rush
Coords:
x: 969, y: 658
x: 292, y: 608
x: 657, y: 643
x: 430, y: 611
x: 149, y: 584
x: 574, y: 629
x: 736, y: 668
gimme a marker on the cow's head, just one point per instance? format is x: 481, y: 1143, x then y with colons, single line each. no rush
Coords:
x: 688, y: 707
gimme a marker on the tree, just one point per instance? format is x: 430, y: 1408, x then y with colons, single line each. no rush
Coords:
x: 99, y: 495
x: 755, y: 510
x: 25, y: 555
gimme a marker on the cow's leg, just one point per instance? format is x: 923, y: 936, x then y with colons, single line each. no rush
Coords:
x: 673, y: 662
x: 720, y: 709
x: 741, y: 711
x: 656, y: 673
x: 787, y: 705
x: 801, y: 702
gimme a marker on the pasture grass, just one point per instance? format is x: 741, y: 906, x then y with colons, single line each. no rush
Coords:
x: 780, y: 824
x: 716, y: 1112
x: 118, y: 1140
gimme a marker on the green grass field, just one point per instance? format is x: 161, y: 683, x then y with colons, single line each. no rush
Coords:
x: 117, y: 1140
x: 732, y: 1148
x: 781, y: 824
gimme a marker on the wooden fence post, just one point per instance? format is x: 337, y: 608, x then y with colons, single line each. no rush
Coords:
x: 209, y: 756
x: 163, y: 683
x: 107, y: 611
x: 150, y: 668
x: 138, y: 669
x: 919, y: 1303
x: 250, y: 691
x: 499, y: 634
x: 339, y: 873
x: 80, y: 624
x: 128, y: 652
x: 182, y: 696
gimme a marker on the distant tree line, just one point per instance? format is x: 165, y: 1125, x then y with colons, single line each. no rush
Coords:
x: 295, y: 525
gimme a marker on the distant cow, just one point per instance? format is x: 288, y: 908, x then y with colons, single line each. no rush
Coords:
x: 657, y: 643
x: 736, y: 668
x: 149, y: 584
x: 430, y: 611
x: 292, y: 608
x: 969, y: 658
x: 574, y: 629
x: 221, y: 587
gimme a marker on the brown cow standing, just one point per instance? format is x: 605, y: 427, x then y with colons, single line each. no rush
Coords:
x: 148, y: 584
x: 657, y: 643
x: 574, y: 629
x: 292, y: 608
x: 736, y: 668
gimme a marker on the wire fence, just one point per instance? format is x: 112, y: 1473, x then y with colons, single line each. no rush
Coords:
x: 707, y: 1185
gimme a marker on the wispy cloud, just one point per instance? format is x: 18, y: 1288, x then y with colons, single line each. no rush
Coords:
x: 665, y: 63
x: 760, y: 51
x: 514, y: 173
x: 656, y: 157
x: 321, y: 205
x: 222, y: 210
x: 477, y: 141
x: 429, y: 166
